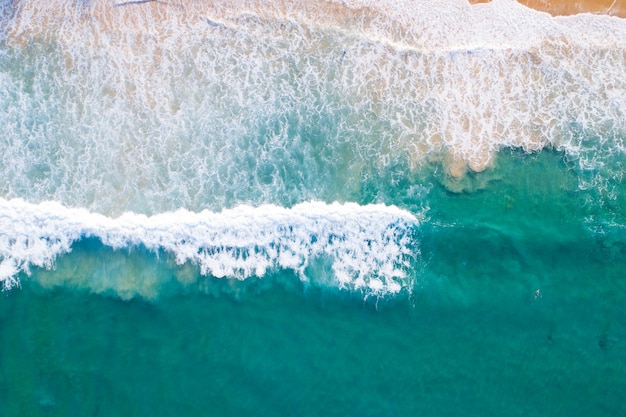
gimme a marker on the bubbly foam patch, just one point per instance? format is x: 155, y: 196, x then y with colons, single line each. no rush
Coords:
x: 368, y: 247
x: 151, y: 106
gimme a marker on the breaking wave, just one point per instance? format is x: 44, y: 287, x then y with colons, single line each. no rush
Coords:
x: 367, y: 247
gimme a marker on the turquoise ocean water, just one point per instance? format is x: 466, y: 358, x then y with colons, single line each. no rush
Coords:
x: 332, y: 208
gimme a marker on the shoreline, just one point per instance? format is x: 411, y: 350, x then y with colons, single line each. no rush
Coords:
x: 568, y: 7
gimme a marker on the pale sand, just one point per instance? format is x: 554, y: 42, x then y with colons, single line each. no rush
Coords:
x: 570, y: 7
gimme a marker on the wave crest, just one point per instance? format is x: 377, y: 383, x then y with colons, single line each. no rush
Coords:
x: 368, y: 247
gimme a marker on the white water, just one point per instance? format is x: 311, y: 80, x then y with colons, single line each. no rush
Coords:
x: 367, y: 246
x: 148, y: 108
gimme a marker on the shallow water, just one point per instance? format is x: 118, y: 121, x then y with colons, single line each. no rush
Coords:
x: 347, y: 213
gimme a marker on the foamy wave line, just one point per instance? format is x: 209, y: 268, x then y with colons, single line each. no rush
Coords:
x: 368, y: 246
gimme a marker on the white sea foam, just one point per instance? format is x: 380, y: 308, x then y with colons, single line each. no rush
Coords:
x: 149, y: 107
x: 368, y: 247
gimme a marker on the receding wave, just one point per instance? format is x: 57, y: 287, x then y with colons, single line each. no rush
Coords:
x: 368, y: 248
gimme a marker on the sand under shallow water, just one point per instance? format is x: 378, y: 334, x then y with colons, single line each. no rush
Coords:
x: 458, y: 95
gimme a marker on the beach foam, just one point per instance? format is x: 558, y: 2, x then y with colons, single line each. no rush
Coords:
x: 368, y: 247
x: 206, y: 95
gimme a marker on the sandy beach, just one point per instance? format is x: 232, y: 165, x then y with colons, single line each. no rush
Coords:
x: 568, y: 7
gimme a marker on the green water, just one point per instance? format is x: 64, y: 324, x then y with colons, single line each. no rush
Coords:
x: 470, y: 338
